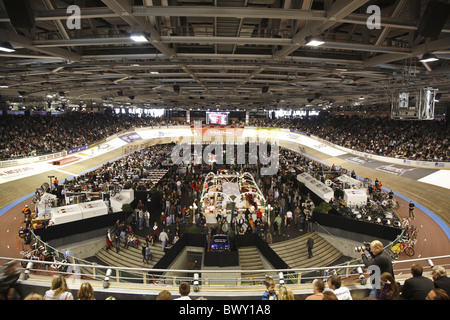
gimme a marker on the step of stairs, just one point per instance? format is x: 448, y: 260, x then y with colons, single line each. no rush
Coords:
x: 250, y: 259
x: 295, y: 253
x: 130, y: 257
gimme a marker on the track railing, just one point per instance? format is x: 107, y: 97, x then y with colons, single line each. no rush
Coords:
x: 224, y: 278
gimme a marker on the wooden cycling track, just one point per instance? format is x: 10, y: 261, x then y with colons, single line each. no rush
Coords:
x: 432, y: 241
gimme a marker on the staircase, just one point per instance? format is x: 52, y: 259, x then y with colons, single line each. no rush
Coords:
x: 250, y: 259
x: 295, y: 253
x: 130, y: 257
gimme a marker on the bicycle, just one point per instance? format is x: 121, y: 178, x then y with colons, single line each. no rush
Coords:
x: 33, y: 256
x: 404, y: 246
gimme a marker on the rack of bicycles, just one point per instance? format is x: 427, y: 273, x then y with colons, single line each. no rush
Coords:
x: 406, y: 241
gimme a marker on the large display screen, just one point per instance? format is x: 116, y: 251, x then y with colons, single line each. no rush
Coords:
x: 217, y: 118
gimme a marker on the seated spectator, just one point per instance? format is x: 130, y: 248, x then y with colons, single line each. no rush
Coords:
x: 58, y: 290
x: 440, y: 278
x: 86, y: 292
x: 417, y: 287
x: 318, y: 287
x: 184, y: 289
x: 164, y: 295
x: 389, y: 288
x: 329, y: 295
x: 269, y: 293
x: 342, y: 293
x: 437, y: 294
x: 285, y: 293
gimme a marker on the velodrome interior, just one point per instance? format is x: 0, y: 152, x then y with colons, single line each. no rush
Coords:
x: 246, y: 59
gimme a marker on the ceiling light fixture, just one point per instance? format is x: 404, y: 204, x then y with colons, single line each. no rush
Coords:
x: 138, y: 37
x: 7, y: 47
x: 314, y: 41
x: 428, y: 57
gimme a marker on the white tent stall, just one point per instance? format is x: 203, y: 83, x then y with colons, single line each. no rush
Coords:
x: 93, y: 209
x: 355, y: 197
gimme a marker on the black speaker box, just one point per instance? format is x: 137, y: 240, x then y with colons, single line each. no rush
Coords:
x: 20, y: 13
x: 433, y: 19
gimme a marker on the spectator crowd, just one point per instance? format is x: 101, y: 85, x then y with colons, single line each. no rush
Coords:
x: 24, y: 136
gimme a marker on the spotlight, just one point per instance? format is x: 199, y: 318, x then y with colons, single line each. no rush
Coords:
x: 362, y: 279
x: 315, y: 41
x: 26, y: 274
x: 106, y: 280
x: 196, y: 282
x: 7, y: 47
x: 281, y: 276
x: 428, y: 57
x: 138, y: 37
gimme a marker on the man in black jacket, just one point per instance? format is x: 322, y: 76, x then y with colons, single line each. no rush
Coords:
x: 417, y: 287
x: 378, y: 257
x: 310, y: 245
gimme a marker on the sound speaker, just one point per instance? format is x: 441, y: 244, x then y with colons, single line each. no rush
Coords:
x: 433, y: 19
x: 20, y: 14
x: 265, y: 89
x: 176, y: 88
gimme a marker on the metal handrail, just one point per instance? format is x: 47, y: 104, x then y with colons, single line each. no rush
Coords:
x: 164, y: 277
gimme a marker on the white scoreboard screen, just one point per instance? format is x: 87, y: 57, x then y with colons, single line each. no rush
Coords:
x: 217, y: 118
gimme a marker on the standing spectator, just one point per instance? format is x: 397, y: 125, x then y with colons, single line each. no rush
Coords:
x: 335, y: 284
x: 148, y: 254
x: 411, y: 210
x: 417, y: 287
x: 58, y: 289
x: 86, y: 292
x: 309, y: 219
x: 287, y: 224
x: 440, y: 279
x: 155, y: 230
x: 147, y: 219
x: 318, y: 287
x: 141, y: 219
x: 108, y: 239
x: 377, y: 257
x: 163, y: 237
x: 277, y: 225
x: 116, y: 242
x: 26, y: 212
x: 310, y: 245
x: 143, y: 253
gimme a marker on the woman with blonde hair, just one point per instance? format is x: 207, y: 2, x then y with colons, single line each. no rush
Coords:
x: 58, y: 290
x: 285, y: 293
x: 86, y: 292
